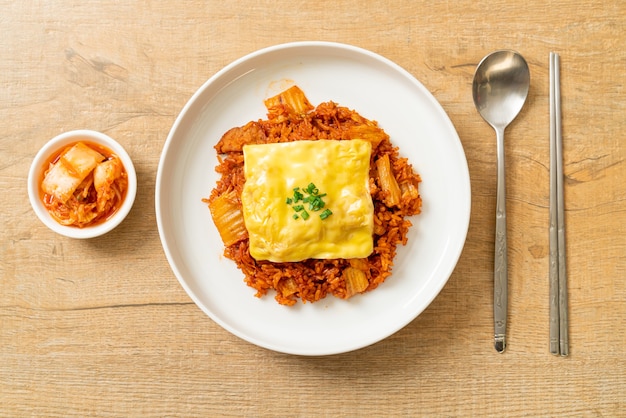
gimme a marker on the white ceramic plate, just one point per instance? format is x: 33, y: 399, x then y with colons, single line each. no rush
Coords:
x: 376, y: 88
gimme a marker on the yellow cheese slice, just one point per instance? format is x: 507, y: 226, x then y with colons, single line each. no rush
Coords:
x: 338, y: 168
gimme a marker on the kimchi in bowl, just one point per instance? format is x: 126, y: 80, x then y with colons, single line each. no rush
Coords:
x: 87, y: 194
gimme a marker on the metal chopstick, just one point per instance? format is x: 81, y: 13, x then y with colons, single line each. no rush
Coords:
x: 559, y: 324
x: 563, y: 308
x: 554, y: 266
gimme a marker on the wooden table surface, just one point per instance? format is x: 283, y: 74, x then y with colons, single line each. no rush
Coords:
x: 102, y: 327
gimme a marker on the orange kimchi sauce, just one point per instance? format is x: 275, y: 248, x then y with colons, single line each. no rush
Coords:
x: 87, y: 206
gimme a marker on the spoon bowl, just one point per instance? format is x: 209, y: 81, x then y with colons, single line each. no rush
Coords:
x: 500, y: 88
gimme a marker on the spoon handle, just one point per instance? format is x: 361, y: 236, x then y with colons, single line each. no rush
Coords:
x: 500, y: 290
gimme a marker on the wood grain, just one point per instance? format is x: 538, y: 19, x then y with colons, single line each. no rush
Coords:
x: 102, y: 327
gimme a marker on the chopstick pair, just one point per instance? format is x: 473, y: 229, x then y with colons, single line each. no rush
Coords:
x: 559, y: 340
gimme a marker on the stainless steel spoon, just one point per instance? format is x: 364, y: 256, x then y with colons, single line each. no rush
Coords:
x: 500, y: 89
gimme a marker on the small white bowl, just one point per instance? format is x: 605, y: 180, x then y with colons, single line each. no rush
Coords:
x: 35, y: 176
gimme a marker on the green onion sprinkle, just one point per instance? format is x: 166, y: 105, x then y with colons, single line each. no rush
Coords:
x: 310, y: 196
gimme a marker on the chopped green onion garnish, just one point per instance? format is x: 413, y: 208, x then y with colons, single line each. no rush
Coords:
x: 316, y: 204
x: 310, y: 195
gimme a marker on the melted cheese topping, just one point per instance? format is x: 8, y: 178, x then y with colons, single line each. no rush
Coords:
x: 338, y: 168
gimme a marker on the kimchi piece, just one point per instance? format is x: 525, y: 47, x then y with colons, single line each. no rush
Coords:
x: 83, y: 185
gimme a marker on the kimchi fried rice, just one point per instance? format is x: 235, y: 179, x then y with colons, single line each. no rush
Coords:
x: 393, y: 186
